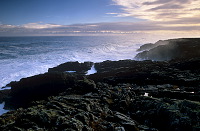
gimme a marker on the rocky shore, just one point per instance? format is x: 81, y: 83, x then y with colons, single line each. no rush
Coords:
x: 125, y: 95
x: 185, y: 48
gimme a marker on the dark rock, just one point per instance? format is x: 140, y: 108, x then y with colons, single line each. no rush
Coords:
x: 126, y: 122
x: 176, y: 95
x: 74, y: 110
x: 149, y: 46
x: 80, y: 68
x: 174, y: 49
x: 148, y: 72
x: 4, y: 95
x: 38, y: 87
x: 85, y: 86
x: 166, y: 114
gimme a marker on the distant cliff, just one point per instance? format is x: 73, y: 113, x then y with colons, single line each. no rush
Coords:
x: 184, y: 48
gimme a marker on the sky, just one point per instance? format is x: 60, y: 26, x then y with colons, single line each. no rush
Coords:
x: 72, y: 17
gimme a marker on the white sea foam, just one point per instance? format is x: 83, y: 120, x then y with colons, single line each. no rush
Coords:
x: 2, y: 110
x: 5, y: 88
x: 71, y: 71
x: 146, y: 94
x: 91, y: 71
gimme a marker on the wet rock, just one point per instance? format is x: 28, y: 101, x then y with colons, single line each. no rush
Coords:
x: 85, y: 86
x: 119, y: 129
x: 80, y: 68
x: 166, y: 114
x: 4, y: 94
x: 126, y: 122
x: 38, y: 87
x: 148, y: 73
x: 176, y: 95
x: 72, y: 110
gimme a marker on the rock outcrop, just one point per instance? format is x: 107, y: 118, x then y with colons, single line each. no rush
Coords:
x: 44, y: 85
x: 184, y: 48
x: 99, y: 108
x: 78, y: 68
x: 146, y: 47
x: 183, y: 73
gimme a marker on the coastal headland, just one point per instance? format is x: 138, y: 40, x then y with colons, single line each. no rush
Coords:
x: 159, y: 91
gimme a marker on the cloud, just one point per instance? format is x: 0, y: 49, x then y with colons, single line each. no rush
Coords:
x: 2, y: 26
x: 167, y: 6
x: 166, y: 1
x: 41, y: 29
x: 196, y: 9
x: 159, y: 10
x: 111, y: 13
x: 40, y: 25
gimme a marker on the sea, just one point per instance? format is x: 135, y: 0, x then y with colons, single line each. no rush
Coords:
x: 22, y: 57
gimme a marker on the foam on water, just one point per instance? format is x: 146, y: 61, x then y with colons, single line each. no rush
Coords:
x: 2, y: 110
x: 71, y: 71
x: 5, y: 88
x: 146, y: 94
x: 91, y: 71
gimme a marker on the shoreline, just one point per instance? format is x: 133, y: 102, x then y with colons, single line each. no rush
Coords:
x: 124, y: 94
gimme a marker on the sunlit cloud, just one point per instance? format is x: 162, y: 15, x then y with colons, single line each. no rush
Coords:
x: 92, y: 25
x: 159, y: 10
x: 40, y: 25
x: 112, y: 13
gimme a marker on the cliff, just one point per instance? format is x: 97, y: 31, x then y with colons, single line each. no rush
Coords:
x: 184, y: 48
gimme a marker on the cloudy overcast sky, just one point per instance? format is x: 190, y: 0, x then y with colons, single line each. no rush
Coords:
x: 63, y: 17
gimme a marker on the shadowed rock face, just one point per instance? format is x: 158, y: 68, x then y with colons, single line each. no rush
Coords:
x: 80, y: 68
x: 172, y: 49
x: 97, y: 110
x: 44, y: 85
x: 167, y: 114
x: 3, y: 95
x: 39, y: 87
x: 149, y: 46
x: 148, y: 72
x: 104, y: 107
